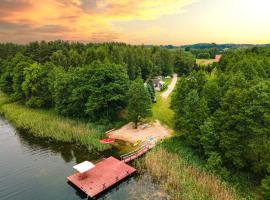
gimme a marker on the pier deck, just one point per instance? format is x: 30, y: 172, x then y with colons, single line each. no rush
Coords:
x: 105, y: 174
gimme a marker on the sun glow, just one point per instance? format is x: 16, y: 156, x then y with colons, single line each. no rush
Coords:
x: 149, y: 21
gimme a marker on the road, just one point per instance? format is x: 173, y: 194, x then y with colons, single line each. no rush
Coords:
x: 170, y: 87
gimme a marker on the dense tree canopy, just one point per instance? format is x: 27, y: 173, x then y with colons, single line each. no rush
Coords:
x: 226, y: 116
x: 83, y: 80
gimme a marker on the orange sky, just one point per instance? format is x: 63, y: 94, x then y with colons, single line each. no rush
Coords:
x: 136, y: 21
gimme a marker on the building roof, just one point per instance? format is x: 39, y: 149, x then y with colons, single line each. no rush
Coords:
x: 218, y: 57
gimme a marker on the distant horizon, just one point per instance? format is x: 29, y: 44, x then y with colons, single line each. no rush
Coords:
x: 145, y: 44
x: 157, y: 22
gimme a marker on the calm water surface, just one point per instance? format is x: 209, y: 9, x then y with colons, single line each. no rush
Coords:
x: 36, y: 169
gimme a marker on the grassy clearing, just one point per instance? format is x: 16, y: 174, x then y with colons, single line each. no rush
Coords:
x: 167, y: 80
x: 47, y: 124
x: 203, y: 62
x: 161, y: 111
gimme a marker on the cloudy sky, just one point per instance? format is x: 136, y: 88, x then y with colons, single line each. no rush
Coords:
x: 136, y: 21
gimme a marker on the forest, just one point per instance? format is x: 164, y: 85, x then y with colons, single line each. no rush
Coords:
x: 89, y: 81
x: 225, y: 116
x: 221, y: 111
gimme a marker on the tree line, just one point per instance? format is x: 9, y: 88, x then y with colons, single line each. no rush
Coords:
x: 226, y: 116
x: 79, y: 80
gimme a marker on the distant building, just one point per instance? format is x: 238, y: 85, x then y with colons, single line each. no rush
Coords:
x: 218, y: 57
x: 158, y: 83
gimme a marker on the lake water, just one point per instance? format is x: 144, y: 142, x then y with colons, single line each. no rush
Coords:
x: 36, y: 169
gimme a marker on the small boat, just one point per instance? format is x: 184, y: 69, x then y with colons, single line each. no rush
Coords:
x: 107, y: 140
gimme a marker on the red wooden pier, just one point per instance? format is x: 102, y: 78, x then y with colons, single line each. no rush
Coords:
x: 107, y: 172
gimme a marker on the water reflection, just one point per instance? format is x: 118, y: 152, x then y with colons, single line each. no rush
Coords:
x: 67, y: 151
x: 33, y: 168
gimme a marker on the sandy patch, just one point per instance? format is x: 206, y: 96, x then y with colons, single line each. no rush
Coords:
x: 129, y: 134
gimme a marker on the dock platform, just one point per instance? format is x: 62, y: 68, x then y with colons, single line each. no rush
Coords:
x: 105, y: 174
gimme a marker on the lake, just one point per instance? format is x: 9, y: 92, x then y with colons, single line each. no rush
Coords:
x: 33, y: 168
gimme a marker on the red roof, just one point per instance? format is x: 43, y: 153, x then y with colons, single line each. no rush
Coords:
x: 218, y: 57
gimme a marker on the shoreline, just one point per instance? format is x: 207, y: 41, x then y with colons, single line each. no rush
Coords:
x: 48, y: 125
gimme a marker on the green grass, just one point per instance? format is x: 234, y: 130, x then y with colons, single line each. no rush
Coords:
x: 203, y: 62
x: 47, y: 124
x: 167, y: 80
x: 161, y: 110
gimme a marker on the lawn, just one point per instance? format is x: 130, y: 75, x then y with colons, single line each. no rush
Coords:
x: 167, y: 80
x: 161, y: 110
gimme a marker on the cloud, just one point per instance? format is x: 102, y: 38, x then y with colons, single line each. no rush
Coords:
x: 88, y: 20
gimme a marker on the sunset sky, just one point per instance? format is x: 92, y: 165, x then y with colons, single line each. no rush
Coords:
x: 136, y: 21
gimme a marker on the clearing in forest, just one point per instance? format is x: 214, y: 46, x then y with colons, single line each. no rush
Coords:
x: 143, y: 132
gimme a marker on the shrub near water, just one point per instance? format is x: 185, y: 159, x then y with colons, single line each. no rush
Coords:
x: 46, y: 124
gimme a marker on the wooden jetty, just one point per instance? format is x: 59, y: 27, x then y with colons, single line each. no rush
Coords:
x: 107, y: 172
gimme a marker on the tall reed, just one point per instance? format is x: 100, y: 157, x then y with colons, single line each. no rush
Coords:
x: 47, y: 124
x: 183, y: 181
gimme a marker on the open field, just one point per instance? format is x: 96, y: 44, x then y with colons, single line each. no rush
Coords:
x: 203, y: 62
x: 47, y: 124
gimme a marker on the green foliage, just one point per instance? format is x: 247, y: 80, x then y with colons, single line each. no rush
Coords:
x: 151, y: 91
x: 49, y: 125
x: 81, y: 80
x: 184, y: 63
x: 226, y: 117
x: 36, y: 85
x: 108, y: 86
x: 214, y: 164
x: 265, y: 186
x: 163, y: 87
x: 205, y: 53
x: 139, y: 102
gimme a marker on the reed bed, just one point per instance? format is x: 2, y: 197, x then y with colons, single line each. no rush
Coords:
x: 183, y: 181
x: 47, y: 124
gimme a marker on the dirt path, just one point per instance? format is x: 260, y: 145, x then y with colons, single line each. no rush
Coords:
x: 143, y: 132
x: 170, y: 87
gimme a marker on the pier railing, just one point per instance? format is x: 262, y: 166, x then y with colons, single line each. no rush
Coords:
x: 137, y: 152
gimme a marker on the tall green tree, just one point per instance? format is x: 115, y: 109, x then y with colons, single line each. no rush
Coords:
x: 139, y: 102
x: 36, y: 85
x: 108, y: 88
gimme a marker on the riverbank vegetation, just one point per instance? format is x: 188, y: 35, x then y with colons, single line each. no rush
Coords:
x: 47, y: 124
x: 180, y: 173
